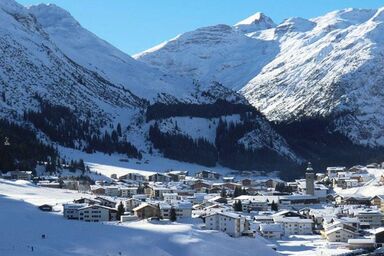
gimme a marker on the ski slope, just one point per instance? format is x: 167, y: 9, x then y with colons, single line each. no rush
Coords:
x: 22, y: 226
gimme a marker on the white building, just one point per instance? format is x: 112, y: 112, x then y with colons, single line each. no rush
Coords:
x: 295, y: 225
x: 170, y: 197
x: 97, y: 213
x: 271, y: 231
x: 112, y: 191
x: 183, y: 210
x: 128, y: 191
x: 254, y: 205
x: 339, y: 234
x: 371, y: 218
x: 231, y: 223
x: 332, y: 171
x: 71, y: 211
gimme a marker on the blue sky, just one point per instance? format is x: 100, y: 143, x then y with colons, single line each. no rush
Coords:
x: 136, y: 25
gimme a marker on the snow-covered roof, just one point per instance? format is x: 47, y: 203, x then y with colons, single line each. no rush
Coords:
x: 338, y: 229
x: 361, y: 241
x: 271, y: 228
x: 97, y: 206
x: 292, y: 220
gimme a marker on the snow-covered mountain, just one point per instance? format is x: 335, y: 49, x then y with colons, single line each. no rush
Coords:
x: 219, y: 53
x: 97, y: 55
x: 31, y: 65
x: 328, y: 66
x: 77, y: 90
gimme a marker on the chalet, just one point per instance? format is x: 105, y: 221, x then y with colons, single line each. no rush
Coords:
x: 145, y: 211
x: 378, y: 201
x: 177, y: 175
x: 339, y: 234
x: 353, y: 222
x: 201, y: 186
x: 352, y: 200
x: 271, y: 183
x: 88, y: 201
x: 132, y: 177
x: 339, y: 224
x: 231, y: 185
x: 159, y: 177
x: 97, y: 190
x: 216, y: 190
x: 208, y: 175
x: 246, y: 182
x: 106, y: 202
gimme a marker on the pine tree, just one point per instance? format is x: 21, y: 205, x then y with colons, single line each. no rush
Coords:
x: 274, y: 206
x: 172, y: 215
x: 81, y: 166
x: 237, y: 206
x: 223, y: 193
x: 237, y: 192
x: 120, y: 210
x: 119, y: 129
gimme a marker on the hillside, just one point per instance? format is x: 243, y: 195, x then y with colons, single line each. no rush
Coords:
x: 72, y: 88
x: 326, y: 69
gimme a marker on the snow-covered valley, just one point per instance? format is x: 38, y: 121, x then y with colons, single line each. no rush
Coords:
x: 23, y: 224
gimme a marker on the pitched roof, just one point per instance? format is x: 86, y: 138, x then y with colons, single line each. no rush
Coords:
x: 337, y: 229
x: 143, y: 205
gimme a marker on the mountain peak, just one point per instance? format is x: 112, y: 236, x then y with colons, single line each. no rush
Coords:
x: 255, y: 22
x: 379, y: 15
x: 52, y: 15
x: 10, y: 6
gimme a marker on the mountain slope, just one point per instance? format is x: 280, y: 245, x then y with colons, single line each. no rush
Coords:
x: 31, y: 65
x: 218, y: 53
x: 99, y: 56
x: 328, y: 66
x: 76, y: 90
x: 336, y: 71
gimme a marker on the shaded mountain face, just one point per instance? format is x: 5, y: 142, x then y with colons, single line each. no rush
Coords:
x: 72, y: 88
x: 325, y: 67
x: 31, y: 65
